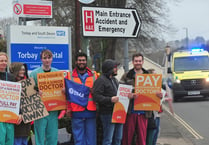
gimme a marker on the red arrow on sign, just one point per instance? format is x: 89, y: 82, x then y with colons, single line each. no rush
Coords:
x: 17, y: 8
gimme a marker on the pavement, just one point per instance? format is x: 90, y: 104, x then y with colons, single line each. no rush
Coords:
x: 170, y: 134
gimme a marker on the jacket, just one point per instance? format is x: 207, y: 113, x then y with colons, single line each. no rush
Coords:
x: 21, y: 130
x: 105, y: 88
x: 91, y: 106
x: 129, y: 79
x: 7, y: 76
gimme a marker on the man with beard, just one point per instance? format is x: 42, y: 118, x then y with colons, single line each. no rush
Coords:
x: 105, y: 94
x: 136, y: 121
x: 83, y: 118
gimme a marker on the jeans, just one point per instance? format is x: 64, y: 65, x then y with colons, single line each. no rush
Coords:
x: 156, y: 131
x: 21, y: 140
x: 112, y: 132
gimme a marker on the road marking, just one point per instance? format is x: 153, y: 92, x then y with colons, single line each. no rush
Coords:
x: 187, y: 126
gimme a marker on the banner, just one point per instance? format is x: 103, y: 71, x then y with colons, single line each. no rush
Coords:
x: 26, y: 42
x: 77, y: 93
x: 32, y: 107
x: 10, y: 93
x: 147, y: 85
x: 52, y: 84
x: 121, y: 107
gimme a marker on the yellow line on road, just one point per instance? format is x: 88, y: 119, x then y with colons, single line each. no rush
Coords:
x: 187, y: 126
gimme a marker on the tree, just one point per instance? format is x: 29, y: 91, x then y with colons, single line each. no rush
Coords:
x: 199, y: 41
x: 153, y: 14
x: 4, y: 22
x: 3, y: 45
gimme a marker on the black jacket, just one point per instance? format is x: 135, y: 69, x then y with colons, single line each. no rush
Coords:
x: 103, y: 91
x: 7, y: 76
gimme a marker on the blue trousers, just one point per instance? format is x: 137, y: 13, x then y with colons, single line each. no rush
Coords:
x: 21, y: 140
x: 112, y: 132
x: 84, y: 131
x: 46, y: 129
x: 156, y: 131
x: 6, y: 133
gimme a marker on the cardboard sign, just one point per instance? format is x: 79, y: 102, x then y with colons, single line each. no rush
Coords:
x: 32, y: 108
x: 121, y: 107
x: 147, y: 85
x: 52, y: 84
x: 10, y: 93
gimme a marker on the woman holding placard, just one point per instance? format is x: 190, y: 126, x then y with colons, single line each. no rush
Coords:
x: 6, y: 129
x: 21, y: 130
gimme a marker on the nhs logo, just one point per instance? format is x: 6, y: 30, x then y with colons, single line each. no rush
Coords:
x: 60, y: 33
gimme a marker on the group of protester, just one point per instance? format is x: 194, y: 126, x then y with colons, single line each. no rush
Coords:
x: 101, y: 100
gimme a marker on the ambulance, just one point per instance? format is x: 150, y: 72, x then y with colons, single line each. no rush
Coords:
x: 190, y: 73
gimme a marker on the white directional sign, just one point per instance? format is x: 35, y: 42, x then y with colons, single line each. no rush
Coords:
x: 110, y: 22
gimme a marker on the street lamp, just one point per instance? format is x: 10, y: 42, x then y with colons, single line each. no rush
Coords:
x: 187, y: 38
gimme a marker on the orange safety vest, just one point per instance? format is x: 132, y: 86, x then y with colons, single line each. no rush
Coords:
x: 89, y: 83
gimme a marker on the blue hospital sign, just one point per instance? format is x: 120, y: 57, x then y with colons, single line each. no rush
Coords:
x: 26, y: 43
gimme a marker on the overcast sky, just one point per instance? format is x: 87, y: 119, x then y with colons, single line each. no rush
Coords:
x: 190, y: 14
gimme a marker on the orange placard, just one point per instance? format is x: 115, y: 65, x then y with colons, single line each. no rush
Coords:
x: 121, y: 107
x: 10, y: 93
x: 146, y: 86
x: 52, y: 84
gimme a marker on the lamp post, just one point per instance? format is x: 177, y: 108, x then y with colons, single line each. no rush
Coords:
x: 187, y: 38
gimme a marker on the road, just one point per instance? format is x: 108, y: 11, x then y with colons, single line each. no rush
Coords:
x: 195, y: 113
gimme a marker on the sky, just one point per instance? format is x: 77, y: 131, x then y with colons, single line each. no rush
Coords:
x: 190, y: 14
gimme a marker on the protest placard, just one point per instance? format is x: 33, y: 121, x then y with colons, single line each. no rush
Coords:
x: 121, y: 107
x: 10, y: 93
x: 146, y: 86
x: 52, y: 84
x: 32, y: 107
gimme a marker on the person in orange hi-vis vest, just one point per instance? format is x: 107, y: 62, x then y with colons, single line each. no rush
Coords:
x: 83, y: 118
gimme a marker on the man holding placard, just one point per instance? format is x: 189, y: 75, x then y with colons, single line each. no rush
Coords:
x: 81, y: 106
x: 46, y: 129
x: 105, y: 94
x: 137, y: 118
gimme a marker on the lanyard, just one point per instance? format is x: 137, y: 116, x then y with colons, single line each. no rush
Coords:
x: 6, y: 76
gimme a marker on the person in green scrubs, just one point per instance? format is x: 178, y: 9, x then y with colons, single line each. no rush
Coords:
x: 6, y: 129
x: 46, y: 129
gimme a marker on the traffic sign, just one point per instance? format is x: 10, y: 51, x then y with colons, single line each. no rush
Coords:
x: 33, y: 9
x: 17, y: 8
x: 110, y: 22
